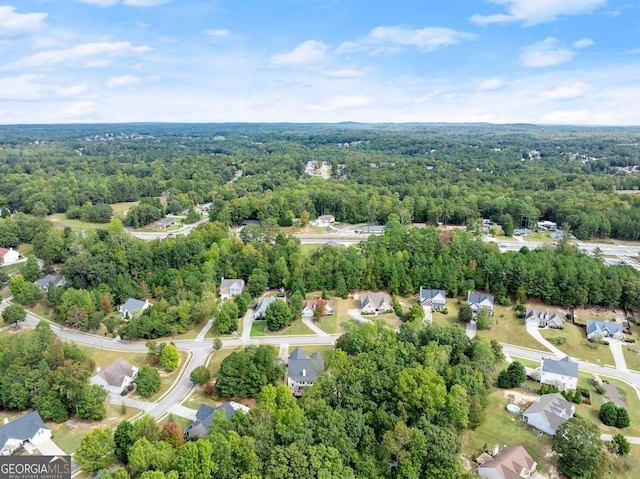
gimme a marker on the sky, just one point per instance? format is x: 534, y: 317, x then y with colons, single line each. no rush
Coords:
x: 376, y: 61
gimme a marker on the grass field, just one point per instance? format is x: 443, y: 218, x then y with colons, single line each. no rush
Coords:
x: 506, y: 328
x: 325, y: 349
x: 183, y: 422
x: 259, y: 328
x: 577, y: 345
x: 632, y: 359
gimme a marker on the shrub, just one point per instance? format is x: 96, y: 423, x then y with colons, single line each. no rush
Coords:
x: 444, y: 311
x: 612, y: 415
x: 558, y: 341
x: 513, y: 376
x: 148, y: 381
x: 547, y: 389
x: 619, y: 445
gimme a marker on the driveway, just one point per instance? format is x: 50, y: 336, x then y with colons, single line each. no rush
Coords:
x: 533, y: 331
x: 247, y: 321
x: 50, y: 448
x: 618, y: 355
x: 355, y: 314
x: 471, y: 329
x: 312, y: 326
x: 428, y: 314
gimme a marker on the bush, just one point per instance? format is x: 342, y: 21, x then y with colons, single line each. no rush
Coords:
x: 558, y: 341
x: 513, y: 376
x: 444, y: 311
x: 619, y: 445
x: 148, y: 381
x: 200, y: 375
x: 612, y: 415
x: 547, y: 389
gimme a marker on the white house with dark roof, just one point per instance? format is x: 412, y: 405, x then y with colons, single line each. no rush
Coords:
x: 230, y: 288
x: 480, y: 301
x: 371, y: 303
x: 603, y: 329
x: 115, y: 377
x: 436, y: 298
x: 29, y: 428
x: 562, y: 373
x: 549, y: 412
x: 133, y: 307
x: 303, y: 370
x: 205, y: 415
x: 544, y: 318
x: 510, y: 462
x: 9, y: 255
x: 309, y: 306
x: 261, y: 307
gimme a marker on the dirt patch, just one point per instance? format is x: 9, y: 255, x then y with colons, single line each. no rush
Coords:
x: 614, y: 395
x: 594, y: 312
x: 519, y: 397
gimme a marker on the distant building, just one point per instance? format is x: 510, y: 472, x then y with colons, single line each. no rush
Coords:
x: 309, y: 306
x: 9, y: 255
x: 372, y: 229
x: 303, y: 370
x: 562, y: 373
x: 133, y: 307
x: 549, y: 412
x: 48, y: 281
x: 521, y: 232
x: 29, y: 428
x: 199, y: 428
x: 547, y: 226
x: 512, y: 462
x: 115, y: 377
x: 230, y: 288
x: 165, y: 223
x: 324, y: 220
x: 544, y: 318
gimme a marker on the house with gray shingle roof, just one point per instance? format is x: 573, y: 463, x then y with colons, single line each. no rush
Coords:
x: 549, y: 412
x: 115, y: 377
x: 133, y: 307
x: 480, y: 301
x: 230, y: 288
x: 371, y: 303
x: 48, y: 281
x: 303, y: 370
x: 544, y: 318
x: 29, y: 428
x: 562, y: 373
x: 199, y: 428
x: 261, y: 307
x: 603, y: 329
x: 436, y: 298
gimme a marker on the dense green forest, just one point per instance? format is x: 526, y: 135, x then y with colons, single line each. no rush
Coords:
x: 454, y: 174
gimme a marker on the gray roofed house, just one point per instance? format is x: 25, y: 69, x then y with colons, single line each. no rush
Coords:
x: 49, y: 280
x: 199, y: 428
x: 549, y: 412
x: 261, y: 307
x: 231, y: 287
x: 115, y: 377
x: 480, y: 301
x: 544, y: 318
x: 371, y: 303
x: 373, y: 229
x: 28, y: 428
x: 562, y: 373
x: 303, y: 370
x: 165, y: 223
x: 603, y: 329
x: 133, y: 307
x: 437, y: 298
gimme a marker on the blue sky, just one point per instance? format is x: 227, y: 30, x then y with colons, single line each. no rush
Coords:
x: 498, y: 61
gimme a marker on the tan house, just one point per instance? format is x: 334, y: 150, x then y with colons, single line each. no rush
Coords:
x: 512, y: 462
x: 309, y: 306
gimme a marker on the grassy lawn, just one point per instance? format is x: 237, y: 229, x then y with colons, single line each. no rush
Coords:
x: 325, y: 349
x: 60, y: 221
x: 506, y: 328
x: 308, y: 249
x: 451, y: 318
x: 259, y: 328
x: 627, y: 467
x: 104, y: 357
x: 198, y: 397
x: 218, y: 357
x: 577, y: 345
x: 632, y: 359
x: 333, y: 324
x: 183, y: 422
x: 503, y: 428
x: 69, y: 434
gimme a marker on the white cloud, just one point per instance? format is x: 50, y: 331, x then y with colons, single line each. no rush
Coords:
x: 344, y: 102
x: 124, y: 82
x: 568, y: 92
x: 28, y: 87
x: 218, y: 32
x: 575, y: 117
x: 87, y: 54
x: 12, y: 23
x: 546, y: 53
x: 582, y: 43
x: 344, y: 73
x: 131, y: 3
x: 532, y: 12
x: 490, y: 84
x: 79, y: 111
x: 392, y: 39
x: 306, y: 53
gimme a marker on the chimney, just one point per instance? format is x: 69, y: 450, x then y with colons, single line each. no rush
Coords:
x: 495, y: 451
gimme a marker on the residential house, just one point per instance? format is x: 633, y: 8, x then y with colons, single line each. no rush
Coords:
x: 562, y: 373
x: 303, y: 370
x: 250, y: 223
x: 48, y: 281
x: 29, y: 428
x: 115, y: 377
x: 230, y: 288
x: 165, y: 223
x: 549, y: 412
x: 371, y: 303
x: 133, y: 307
x: 603, y: 329
x: 8, y: 255
x: 510, y: 462
x: 263, y: 302
x: 480, y: 301
x: 436, y: 298
x: 309, y: 306
x: 372, y: 229
x: 547, y: 226
x: 544, y: 318
x: 199, y: 428
x: 324, y: 220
